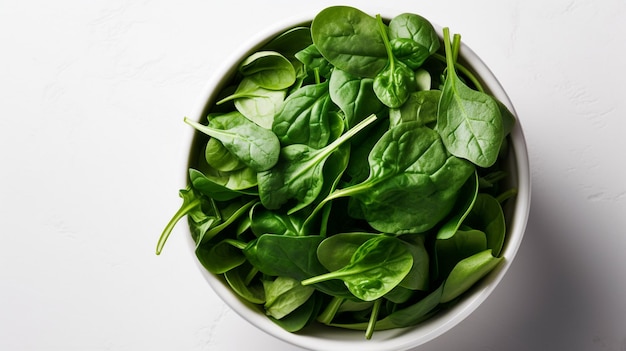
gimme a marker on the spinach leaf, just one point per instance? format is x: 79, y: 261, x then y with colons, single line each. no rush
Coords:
x: 291, y: 256
x: 375, y: 268
x: 298, y: 173
x: 355, y: 96
x: 336, y: 251
x: 467, y: 272
x: 303, y: 118
x: 283, y: 295
x: 350, y: 40
x: 487, y: 215
x: 407, y: 161
x: 263, y: 221
x: 239, y: 280
x: 414, y: 27
x: 418, y: 277
x: 467, y: 198
x: 313, y: 60
x: 421, y: 106
x: 301, y: 316
x: 256, y: 103
x: 218, y: 157
x: 255, y: 146
x: 225, y: 186
x: 449, y: 252
x: 269, y: 70
x: 396, y: 81
x: 469, y: 121
x: 409, y: 52
x: 220, y: 257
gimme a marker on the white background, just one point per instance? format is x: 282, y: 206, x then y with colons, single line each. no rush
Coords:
x: 92, y: 96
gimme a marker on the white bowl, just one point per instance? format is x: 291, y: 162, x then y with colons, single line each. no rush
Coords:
x: 336, y: 339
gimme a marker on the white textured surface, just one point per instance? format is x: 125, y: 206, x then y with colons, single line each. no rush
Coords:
x: 92, y: 99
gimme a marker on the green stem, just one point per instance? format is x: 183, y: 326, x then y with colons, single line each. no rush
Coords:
x: 326, y: 317
x: 464, y: 70
x: 236, y: 243
x: 371, y: 325
x: 218, y: 228
x: 506, y: 195
x: 383, y: 33
x: 182, y: 211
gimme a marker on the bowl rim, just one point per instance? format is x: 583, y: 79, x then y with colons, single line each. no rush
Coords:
x: 395, y: 339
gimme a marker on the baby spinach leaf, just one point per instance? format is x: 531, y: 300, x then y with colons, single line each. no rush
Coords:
x: 237, y: 280
x: 407, y: 161
x: 409, y: 52
x: 417, y: 200
x: 450, y: 251
x: 256, y: 103
x: 222, y: 188
x: 269, y: 70
x: 467, y: 272
x: 220, y: 257
x: 375, y: 268
x: 283, y: 295
x: 414, y: 27
x: 218, y: 157
x: 421, y: 106
x: 229, y: 214
x: 467, y: 198
x: 301, y: 316
x: 313, y: 60
x: 396, y: 81
x: 263, y: 221
x: 469, y: 121
x: 487, y: 215
x: 303, y: 118
x: 298, y: 173
x: 418, y: 276
x: 355, y: 96
x: 255, y: 146
x: 336, y: 251
x: 349, y: 39
x: 291, y: 256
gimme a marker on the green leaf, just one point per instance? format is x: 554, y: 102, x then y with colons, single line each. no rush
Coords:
x: 469, y: 121
x: 303, y: 118
x: 349, y: 39
x: 467, y: 272
x: 269, y: 70
x: 283, y: 295
x: 255, y: 146
x: 375, y: 268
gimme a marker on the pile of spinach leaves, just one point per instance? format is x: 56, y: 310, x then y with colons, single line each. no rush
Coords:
x: 351, y: 175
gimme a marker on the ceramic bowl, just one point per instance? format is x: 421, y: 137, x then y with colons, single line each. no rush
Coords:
x: 335, y: 339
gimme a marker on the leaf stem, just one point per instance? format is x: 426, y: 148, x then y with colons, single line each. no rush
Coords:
x: 182, y: 211
x: 383, y: 34
x: 371, y: 325
x: 326, y: 317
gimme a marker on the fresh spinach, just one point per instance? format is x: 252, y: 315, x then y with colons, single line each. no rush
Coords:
x: 351, y: 173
